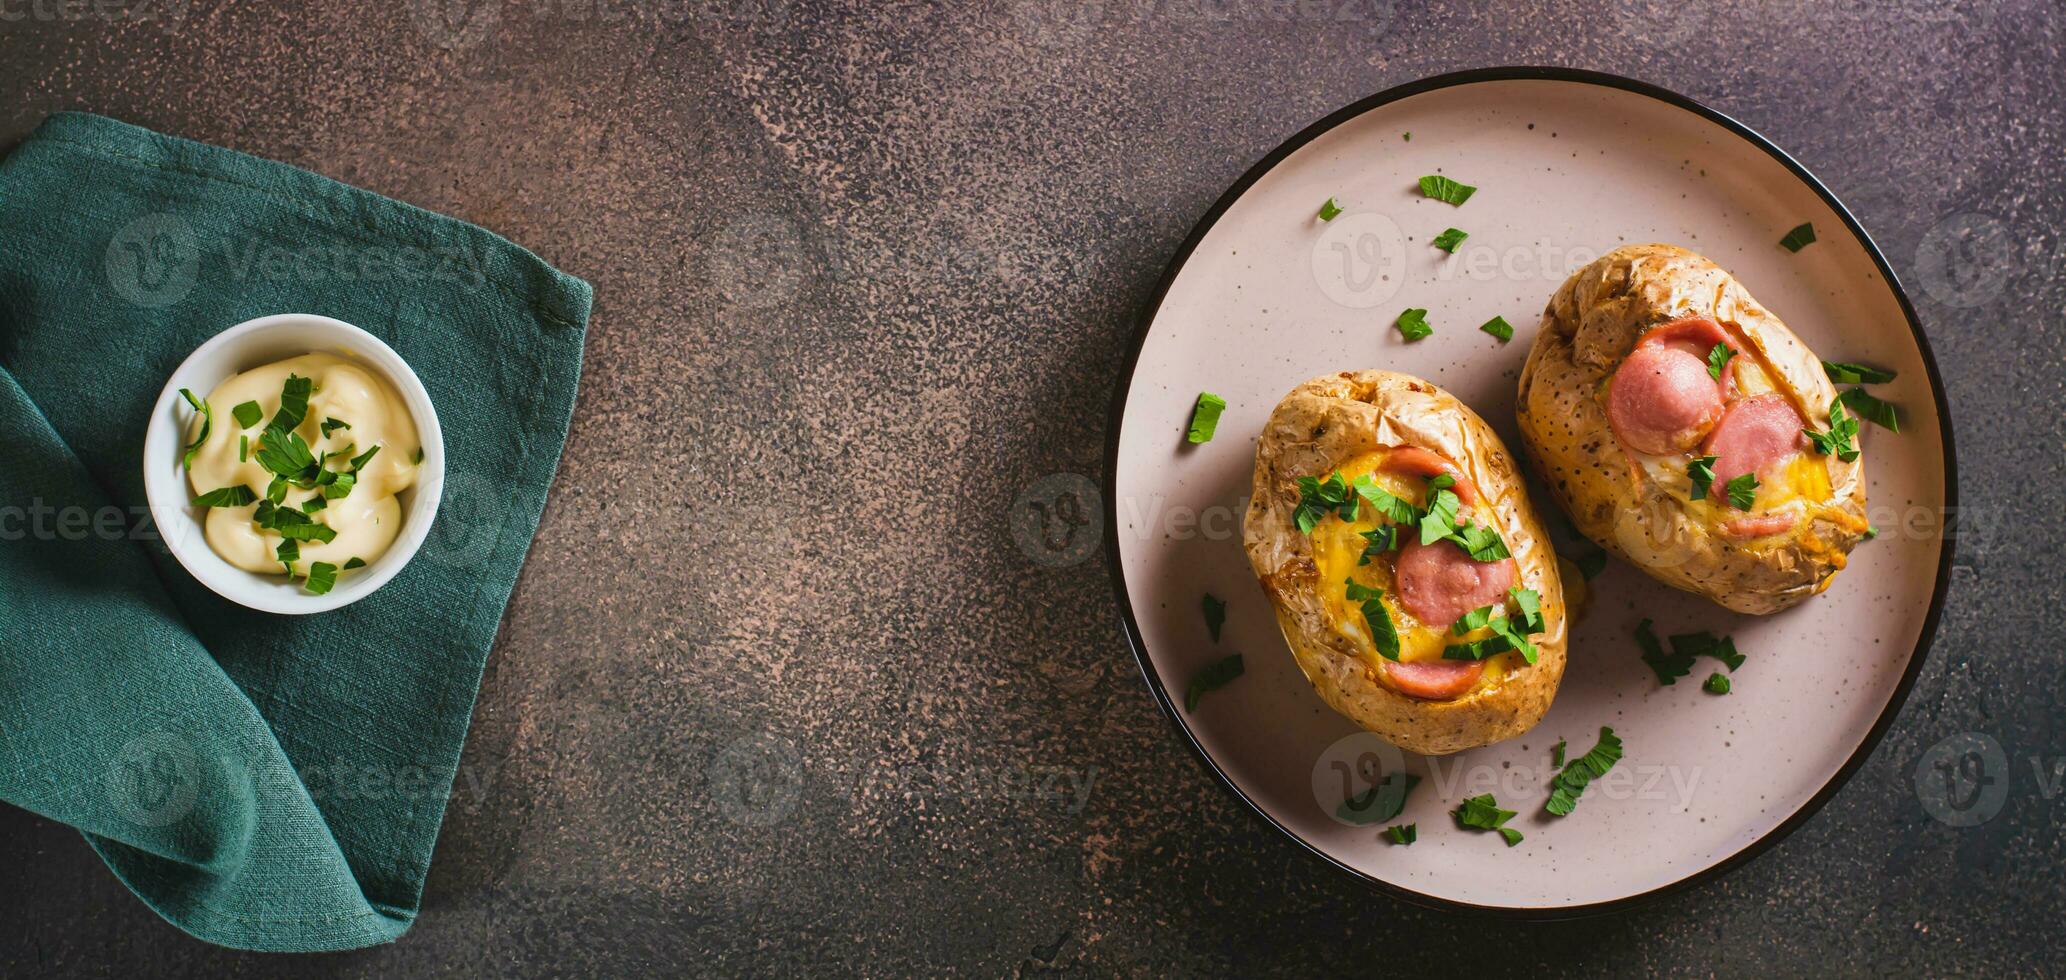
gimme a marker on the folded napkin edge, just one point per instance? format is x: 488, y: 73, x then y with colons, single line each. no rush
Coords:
x: 558, y: 298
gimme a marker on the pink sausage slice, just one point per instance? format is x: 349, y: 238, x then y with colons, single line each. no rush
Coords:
x: 1757, y: 526
x: 1753, y: 435
x: 1434, y: 680
x: 1437, y: 583
x: 1662, y: 399
x: 1415, y: 461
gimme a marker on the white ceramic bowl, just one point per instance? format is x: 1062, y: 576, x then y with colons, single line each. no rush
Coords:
x: 255, y: 343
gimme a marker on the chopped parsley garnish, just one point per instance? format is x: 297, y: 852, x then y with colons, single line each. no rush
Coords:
x: 354, y: 562
x: 310, y: 531
x: 1591, y: 564
x: 322, y: 577
x: 1377, y: 541
x: 284, y: 453
x: 1848, y: 373
x: 1706, y: 644
x: 243, y: 449
x: 247, y: 414
x: 293, y: 403
x: 419, y: 456
x: 1570, y: 783
x: 1841, y: 439
x: 236, y: 496
x: 1478, y: 649
x: 1405, y: 833
x: 1799, y: 238
x: 1215, y: 615
x: 1481, y: 543
x: 1329, y: 210
x: 1716, y: 684
x: 1445, y: 190
x: 1379, y: 803
x: 359, y: 461
x: 1205, y: 419
x: 1742, y: 491
x: 1413, y: 324
x: 276, y: 491
x: 1498, y: 327
x: 339, y: 485
x: 1717, y: 359
x: 1871, y: 532
x: 1861, y: 403
x: 1701, y: 472
x: 1439, y: 521
x: 1556, y: 754
x: 1530, y: 602
x: 331, y: 425
x: 288, y: 553
x: 1396, y: 508
x: 315, y: 503
x: 1669, y: 666
x: 1449, y: 239
x: 207, y: 422
x: 1483, y: 813
x: 1383, y: 634
x: 1473, y: 620
x: 1216, y: 675
x: 1318, y: 498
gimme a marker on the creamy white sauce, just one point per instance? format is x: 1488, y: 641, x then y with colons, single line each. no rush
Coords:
x: 367, y: 519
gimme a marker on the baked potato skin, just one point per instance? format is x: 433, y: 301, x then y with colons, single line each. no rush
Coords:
x: 1316, y: 428
x: 1590, y: 325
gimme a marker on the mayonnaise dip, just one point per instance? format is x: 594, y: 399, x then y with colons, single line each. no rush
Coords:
x: 366, y: 518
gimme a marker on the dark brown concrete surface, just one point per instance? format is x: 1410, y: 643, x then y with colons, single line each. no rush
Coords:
x: 779, y: 693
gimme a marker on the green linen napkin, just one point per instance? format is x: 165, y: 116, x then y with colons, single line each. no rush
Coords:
x: 265, y: 782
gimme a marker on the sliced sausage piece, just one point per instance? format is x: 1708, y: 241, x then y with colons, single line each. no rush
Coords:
x: 1662, y: 399
x: 1434, y: 680
x: 1415, y: 461
x: 1697, y: 334
x: 1759, y: 525
x: 1753, y: 435
x: 1437, y: 583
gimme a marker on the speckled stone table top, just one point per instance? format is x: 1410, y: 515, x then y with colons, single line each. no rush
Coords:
x: 781, y: 692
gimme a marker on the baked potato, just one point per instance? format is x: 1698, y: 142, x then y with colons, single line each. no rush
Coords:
x: 1408, y: 571
x: 1684, y: 428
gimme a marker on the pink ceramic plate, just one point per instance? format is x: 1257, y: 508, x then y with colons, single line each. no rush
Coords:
x: 1263, y: 295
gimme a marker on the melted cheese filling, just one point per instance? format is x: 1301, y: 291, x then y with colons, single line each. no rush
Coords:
x: 366, y: 520
x: 1338, y: 547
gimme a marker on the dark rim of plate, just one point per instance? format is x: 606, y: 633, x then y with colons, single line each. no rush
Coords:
x: 1109, y: 485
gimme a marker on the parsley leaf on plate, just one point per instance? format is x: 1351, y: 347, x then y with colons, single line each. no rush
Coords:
x: 1716, y: 684
x: 1841, y: 439
x: 1413, y: 324
x: 1865, y: 406
x: 322, y: 576
x: 1383, y: 634
x: 1570, y: 783
x: 1205, y: 418
x: 1669, y: 666
x: 1319, y: 498
x: 1483, y: 813
x: 1845, y: 373
x: 1446, y: 190
x: 1215, y: 615
x: 1405, y: 833
x: 1329, y: 210
x: 1216, y: 675
x: 1379, y: 803
x: 1449, y: 239
x: 1799, y: 238
x: 1498, y: 327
